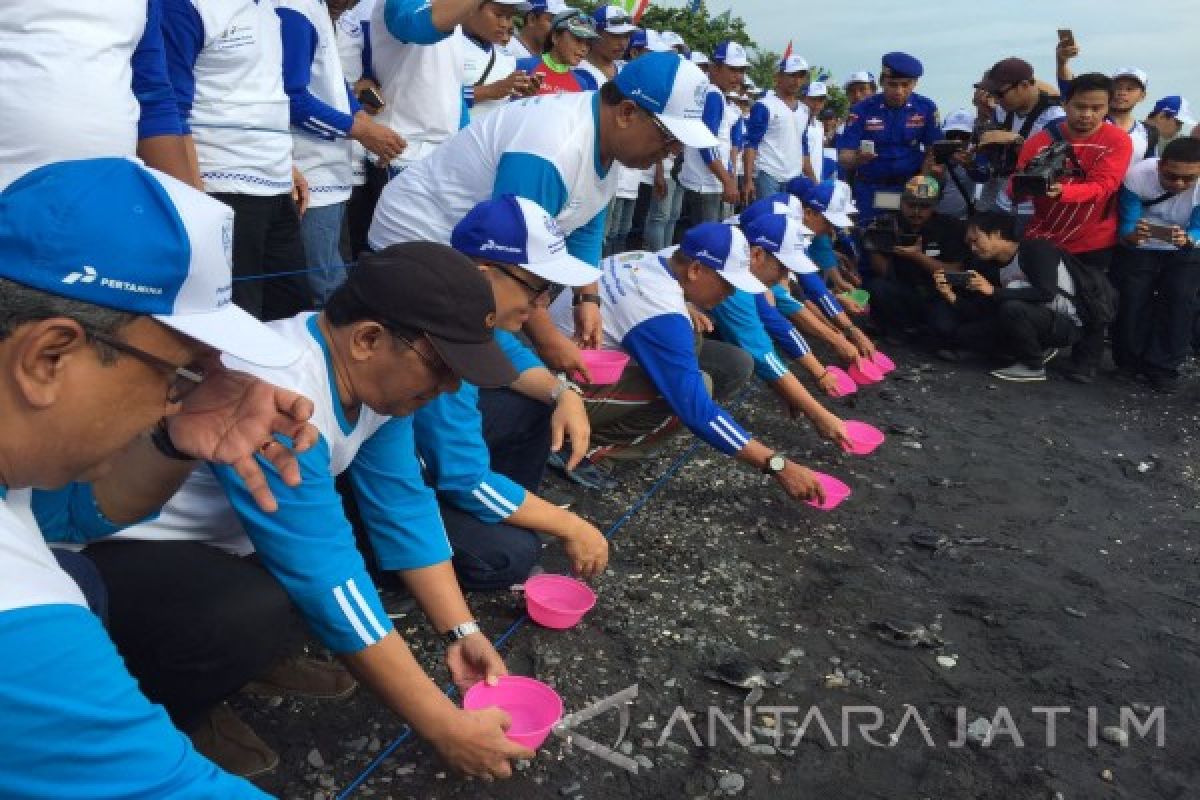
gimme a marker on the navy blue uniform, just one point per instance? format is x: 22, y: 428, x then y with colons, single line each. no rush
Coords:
x: 900, y: 136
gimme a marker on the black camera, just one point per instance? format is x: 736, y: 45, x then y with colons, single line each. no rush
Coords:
x: 946, y: 149
x: 883, y: 235
x: 1044, y: 170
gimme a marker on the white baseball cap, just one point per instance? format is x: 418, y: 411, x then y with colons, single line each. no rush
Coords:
x: 785, y: 236
x: 817, y: 89
x: 862, y: 76
x: 1137, y: 74
x: 833, y: 199
x: 515, y: 230
x: 655, y: 42
x: 722, y: 248
x: 960, y: 120
x: 674, y: 90
x: 698, y: 58
x: 731, y: 54
x: 673, y: 39
x: 792, y: 64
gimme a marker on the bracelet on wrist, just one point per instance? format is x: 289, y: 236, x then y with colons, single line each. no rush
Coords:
x: 585, y: 297
x: 160, y: 437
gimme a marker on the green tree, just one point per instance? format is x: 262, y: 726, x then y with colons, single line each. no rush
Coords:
x: 763, y: 66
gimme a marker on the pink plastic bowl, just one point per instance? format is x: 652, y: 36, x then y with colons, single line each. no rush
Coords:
x: 606, y: 366
x: 864, y: 438
x: 845, y: 384
x: 884, y: 363
x: 864, y: 372
x: 556, y: 601
x: 835, y: 492
x: 535, y: 708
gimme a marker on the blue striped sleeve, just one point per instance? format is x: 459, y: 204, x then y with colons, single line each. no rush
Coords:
x: 533, y: 178
x: 663, y: 347
x: 183, y: 39
x: 815, y: 289
x: 307, y: 112
x: 736, y: 319
x: 756, y: 126
x: 585, y: 79
x: 449, y: 433
x: 714, y: 112
x: 1129, y: 210
x: 76, y: 725
x: 782, y: 332
x: 159, y: 116
x: 399, y: 511
x: 333, y: 590
x: 521, y: 356
x: 411, y: 21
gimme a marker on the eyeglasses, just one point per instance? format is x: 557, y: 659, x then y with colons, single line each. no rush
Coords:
x: 668, y: 137
x: 999, y: 93
x: 536, y: 293
x: 184, y: 381
x: 436, y: 366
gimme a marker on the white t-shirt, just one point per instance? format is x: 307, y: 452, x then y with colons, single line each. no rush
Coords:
x: 816, y: 147
x: 66, y: 82
x: 422, y: 83
x: 29, y: 573
x: 351, y: 42
x: 426, y: 201
x: 475, y: 64
x: 998, y: 187
x: 1142, y: 180
x: 781, y: 154
x: 695, y: 175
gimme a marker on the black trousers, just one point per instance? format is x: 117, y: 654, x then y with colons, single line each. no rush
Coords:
x: 193, y: 623
x: 266, y: 242
x: 1018, y: 330
x: 1089, y: 350
x: 361, y: 209
x: 1157, y: 307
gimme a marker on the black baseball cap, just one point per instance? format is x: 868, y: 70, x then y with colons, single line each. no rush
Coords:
x: 1004, y: 74
x: 435, y: 290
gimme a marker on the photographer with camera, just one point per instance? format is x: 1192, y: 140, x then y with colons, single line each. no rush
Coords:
x: 954, y: 166
x: 1021, y: 110
x: 905, y: 252
x: 1157, y: 268
x: 1028, y: 312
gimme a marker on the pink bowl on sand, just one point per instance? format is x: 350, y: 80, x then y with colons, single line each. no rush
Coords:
x: 864, y: 438
x: 884, y: 363
x: 864, y: 372
x: 835, y: 492
x: 534, y: 707
x: 845, y: 384
x: 556, y: 601
x: 605, y: 366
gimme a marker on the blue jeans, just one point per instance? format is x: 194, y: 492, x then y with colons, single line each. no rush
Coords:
x: 321, y: 230
x: 620, y: 223
x: 663, y: 217
x: 495, y: 556
x: 765, y: 185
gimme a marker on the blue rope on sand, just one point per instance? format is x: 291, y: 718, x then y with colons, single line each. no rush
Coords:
x: 407, y: 732
x: 269, y: 275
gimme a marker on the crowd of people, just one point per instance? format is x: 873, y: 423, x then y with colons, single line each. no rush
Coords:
x: 299, y: 300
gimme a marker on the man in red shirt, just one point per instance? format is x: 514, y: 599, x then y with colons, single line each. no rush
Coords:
x: 1079, y: 214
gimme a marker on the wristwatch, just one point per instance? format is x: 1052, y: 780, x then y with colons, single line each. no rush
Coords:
x: 775, y: 465
x: 460, y: 632
x: 584, y: 297
x: 564, y: 385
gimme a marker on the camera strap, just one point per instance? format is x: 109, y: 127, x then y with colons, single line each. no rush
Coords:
x: 1056, y: 134
x: 1162, y: 198
x: 953, y: 170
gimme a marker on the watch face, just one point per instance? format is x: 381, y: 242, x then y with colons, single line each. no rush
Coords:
x: 777, y: 463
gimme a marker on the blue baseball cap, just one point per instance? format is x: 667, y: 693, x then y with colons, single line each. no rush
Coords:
x: 1174, y: 106
x: 613, y: 19
x: 674, y: 90
x: 638, y: 40
x: 785, y: 236
x: 902, y: 65
x: 515, y: 230
x: 731, y: 54
x: 778, y: 203
x: 112, y: 233
x: 833, y: 199
x: 722, y: 248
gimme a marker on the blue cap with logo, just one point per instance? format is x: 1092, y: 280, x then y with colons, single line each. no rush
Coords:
x: 902, y: 65
x: 731, y: 54
x: 722, y: 248
x: 832, y: 198
x: 109, y: 232
x: 516, y: 230
x: 613, y: 19
x: 674, y: 90
x: 1173, y: 106
x: 785, y: 236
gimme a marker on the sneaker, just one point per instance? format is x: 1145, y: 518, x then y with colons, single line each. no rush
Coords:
x: 232, y: 745
x: 585, y: 474
x: 1048, y: 355
x: 1020, y: 373
x: 304, y: 676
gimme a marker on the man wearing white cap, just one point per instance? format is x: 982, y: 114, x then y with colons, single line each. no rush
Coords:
x: 100, y: 337
x: 959, y: 187
x: 705, y: 176
x: 664, y: 385
x: 859, y: 86
x: 1172, y: 117
x: 775, y: 132
x: 559, y: 152
x: 615, y: 27
x: 530, y: 41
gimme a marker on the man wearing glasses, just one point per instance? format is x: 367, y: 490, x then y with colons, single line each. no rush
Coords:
x: 1023, y: 108
x: 101, y: 337
x: 409, y: 323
